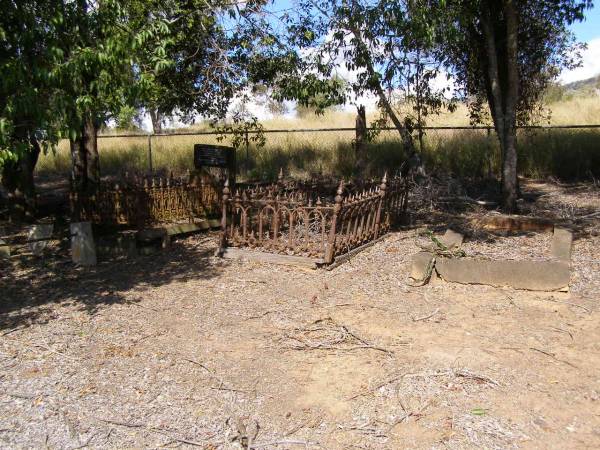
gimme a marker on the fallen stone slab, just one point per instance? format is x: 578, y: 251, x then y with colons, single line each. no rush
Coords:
x: 530, y: 275
x: 562, y: 243
x: 83, y: 248
x: 498, y: 222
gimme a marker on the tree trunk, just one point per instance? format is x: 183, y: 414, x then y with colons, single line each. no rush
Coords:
x: 90, y: 144
x: 509, y: 163
x: 405, y: 135
x: 503, y: 92
x: 85, y: 166
x: 156, y: 118
x: 17, y: 178
x: 361, y: 140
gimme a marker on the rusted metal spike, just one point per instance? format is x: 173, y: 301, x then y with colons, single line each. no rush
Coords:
x: 280, y: 176
x: 319, y: 203
x: 153, y: 182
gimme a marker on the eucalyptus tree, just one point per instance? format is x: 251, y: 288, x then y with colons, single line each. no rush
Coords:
x: 503, y: 54
x: 382, y: 48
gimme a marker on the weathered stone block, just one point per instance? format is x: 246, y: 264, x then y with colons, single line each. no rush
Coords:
x: 182, y: 228
x: 452, y: 238
x: 562, y: 242
x: 531, y: 275
x: 39, y: 237
x: 420, y: 264
x: 4, y: 250
x: 152, y: 234
x: 83, y: 248
x: 123, y: 243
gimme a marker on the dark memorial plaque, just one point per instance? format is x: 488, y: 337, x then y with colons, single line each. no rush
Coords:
x: 207, y: 155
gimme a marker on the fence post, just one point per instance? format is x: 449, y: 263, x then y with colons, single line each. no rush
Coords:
x: 336, y: 210
x: 150, y: 152
x: 382, y: 189
x: 247, y: 142
x: 223, y: 240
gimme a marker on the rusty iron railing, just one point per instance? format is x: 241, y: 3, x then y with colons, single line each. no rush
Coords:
x: 144, y: 202
x: 311, y: 219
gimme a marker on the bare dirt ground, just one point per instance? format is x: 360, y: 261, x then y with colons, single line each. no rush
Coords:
x: 183, y: 349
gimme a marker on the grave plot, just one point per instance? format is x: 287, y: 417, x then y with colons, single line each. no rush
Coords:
x: 310, y: 223
x: 538, y: 262
x: 142, y: 202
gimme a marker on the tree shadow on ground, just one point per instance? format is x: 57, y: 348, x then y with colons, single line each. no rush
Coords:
x: 30, y: 291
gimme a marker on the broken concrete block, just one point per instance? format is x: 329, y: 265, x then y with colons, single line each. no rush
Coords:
x: 4, y: 250
x: 39, y: 237
x: 452, y: 239
x: 562, y: 242
x: 531, y: 275
x: 420, y: 265
x: 83, y: 248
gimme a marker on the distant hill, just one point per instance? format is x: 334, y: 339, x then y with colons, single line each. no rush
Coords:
x: 584, y: 85
x: 589, y: 87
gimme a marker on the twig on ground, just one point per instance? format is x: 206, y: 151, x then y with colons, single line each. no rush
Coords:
x: 552, y: 355
x: 417, y: 319
x: 588, y: 310
x: 283, y: 442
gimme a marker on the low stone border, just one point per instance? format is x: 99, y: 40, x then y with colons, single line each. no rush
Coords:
x: 550, y: 275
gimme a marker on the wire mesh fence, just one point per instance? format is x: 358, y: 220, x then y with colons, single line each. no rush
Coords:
x: 570, y: 151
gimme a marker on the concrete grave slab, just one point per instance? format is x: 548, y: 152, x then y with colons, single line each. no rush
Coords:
x: 550, y: 275
x: 530, y: 275
x: 562, y: 243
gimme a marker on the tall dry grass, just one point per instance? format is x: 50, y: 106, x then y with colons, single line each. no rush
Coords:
x: 566, y: 154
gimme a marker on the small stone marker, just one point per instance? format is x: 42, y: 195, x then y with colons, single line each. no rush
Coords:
x: 561, y: 244
x: 38, y: 238
x: 420, y: 264
x: 452, y: 239
x: 83, y: 249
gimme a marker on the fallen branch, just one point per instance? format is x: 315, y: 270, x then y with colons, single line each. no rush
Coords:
x: 151, y: 429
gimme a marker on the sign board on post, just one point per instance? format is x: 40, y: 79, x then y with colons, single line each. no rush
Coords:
x: 207, y: 155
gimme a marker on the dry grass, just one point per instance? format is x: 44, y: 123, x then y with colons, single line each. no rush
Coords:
x: 565, y: 154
